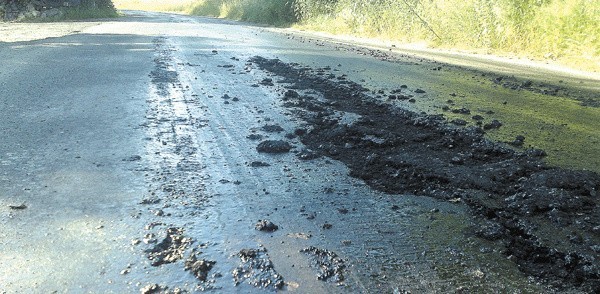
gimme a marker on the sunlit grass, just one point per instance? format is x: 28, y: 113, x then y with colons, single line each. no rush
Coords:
x: 559, y: 30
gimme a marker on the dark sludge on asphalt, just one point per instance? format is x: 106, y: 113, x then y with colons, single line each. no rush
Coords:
x: 545, y: 217
x: 256, y: 269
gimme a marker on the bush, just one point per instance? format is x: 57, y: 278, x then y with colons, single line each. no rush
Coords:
x: 276, y: 12
x: 307, y: 9
x: 76, y: 13
x: 100, y: 4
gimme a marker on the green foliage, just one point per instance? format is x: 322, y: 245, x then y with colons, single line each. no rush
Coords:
x: 100, y: 9
x: 97, y: 4
x: 307, y: 9
x: 208, y: 8
x: 76, y: 13
x: 276, y: 12
x: 88, y: 9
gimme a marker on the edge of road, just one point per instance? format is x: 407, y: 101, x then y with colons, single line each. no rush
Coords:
x: 520, y: 66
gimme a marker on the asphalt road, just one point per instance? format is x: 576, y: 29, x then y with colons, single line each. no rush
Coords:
x: 127, y: 154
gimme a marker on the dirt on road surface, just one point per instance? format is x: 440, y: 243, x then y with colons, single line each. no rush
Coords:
x: 519, y: 199
x: 160, y: 153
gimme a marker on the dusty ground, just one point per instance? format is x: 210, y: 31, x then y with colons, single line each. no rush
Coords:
x: 163, y: 153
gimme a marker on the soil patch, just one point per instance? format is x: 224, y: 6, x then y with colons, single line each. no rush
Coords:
x: 274, y: 146
x: 199, y: 267
x: 152, y: 289
x: 545, y: 216
x: 257, y: 270
x: 272, y: 128
x: 170, y: 249
x: 330, y: 266
x: 266, y: 226
x: 259, y: 164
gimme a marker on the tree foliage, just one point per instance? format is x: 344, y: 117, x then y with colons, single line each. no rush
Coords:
x: 97, y: 4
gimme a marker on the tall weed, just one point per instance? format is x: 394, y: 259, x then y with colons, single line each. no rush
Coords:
x: 564, y: 29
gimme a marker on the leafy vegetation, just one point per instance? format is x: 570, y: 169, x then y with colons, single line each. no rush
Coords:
x: 91, y: 9
x: 77, y: 13
x: 88, y: 9
x: 275, y: 12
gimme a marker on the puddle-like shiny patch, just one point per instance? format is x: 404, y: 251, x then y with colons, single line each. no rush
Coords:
x: 175, y: 173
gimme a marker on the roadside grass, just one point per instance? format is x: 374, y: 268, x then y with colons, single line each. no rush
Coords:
x: 566, y: 31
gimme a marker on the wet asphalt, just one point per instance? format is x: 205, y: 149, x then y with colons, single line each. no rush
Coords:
x: 115, y: 137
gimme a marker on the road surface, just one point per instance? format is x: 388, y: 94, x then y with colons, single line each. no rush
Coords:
x: 135, y: 157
